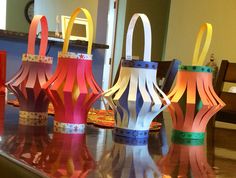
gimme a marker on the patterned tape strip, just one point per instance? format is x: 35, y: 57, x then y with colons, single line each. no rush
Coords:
x: 33, y: 118
x: 139, y: 64
x: 68, y: 127
x: 72, y: 55
x: 196, y: 68
x: 131, y: 133
x: 130, y: 141
x: 36, y: 58
x: 188, y: 135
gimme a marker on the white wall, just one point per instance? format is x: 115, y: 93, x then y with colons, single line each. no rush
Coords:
x: 185, y: 18
x: 52, y: 8
x: 3, y: 8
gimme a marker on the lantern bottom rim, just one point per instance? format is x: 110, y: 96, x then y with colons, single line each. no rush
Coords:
x: 123, y: 132
x: 68, y: 128
x: 187, y: 137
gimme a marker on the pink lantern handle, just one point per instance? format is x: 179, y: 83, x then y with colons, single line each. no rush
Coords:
x: 198, y: 59
x: 147, y: 37
x: 69, y: 29
x: 32, y: 35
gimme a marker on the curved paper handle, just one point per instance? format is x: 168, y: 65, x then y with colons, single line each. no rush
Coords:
x: 32, y: 35
x: 147, y: 37
x: 198, y: 60
x: 70, y: 25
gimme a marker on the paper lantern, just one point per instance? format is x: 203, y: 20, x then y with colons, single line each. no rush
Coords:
x: 128, y: 158
x: 185, y: 161
x: 194, y: 93
x: 72, y: 88
x: 3, y: 58
x: 2, y: 112
x: 136, y: 97
x: 35, y: 70
x: 27, y: 144
x: 67, y: 155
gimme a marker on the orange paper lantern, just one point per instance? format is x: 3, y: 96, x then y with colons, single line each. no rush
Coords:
x: 35, y: 70
x: 72, y: 88
x: 193, y: 98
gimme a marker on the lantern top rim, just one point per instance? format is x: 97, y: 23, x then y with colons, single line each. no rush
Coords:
x: 139, y: 64
x: 191, y: 68
x: 77, y: 56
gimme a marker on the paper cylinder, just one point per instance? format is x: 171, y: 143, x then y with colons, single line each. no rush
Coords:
x: 72, y: 88
x: 3, y: 62
x: 185, y: 161
x: 35, y: 70
x: 136, y: 97
x: 193, y: 98
x: 67, y: 155
x: 27, y: 144
x: 128, y: 158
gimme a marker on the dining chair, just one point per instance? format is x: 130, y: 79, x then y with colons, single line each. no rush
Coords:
x: 226, y: 73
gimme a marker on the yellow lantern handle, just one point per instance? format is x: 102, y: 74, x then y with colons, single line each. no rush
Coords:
x: 70, y: 25
x: 198, y: 60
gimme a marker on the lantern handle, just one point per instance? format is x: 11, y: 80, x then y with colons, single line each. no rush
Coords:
x: 32, y: 35
x: 147, y: 36
x: 198, y: 59
x: 69, y: 29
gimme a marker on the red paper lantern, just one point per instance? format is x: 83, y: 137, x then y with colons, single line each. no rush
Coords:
x: 3, y: 56
x: 67, y: 155
x: 35, y: 70
x: 72, y: 88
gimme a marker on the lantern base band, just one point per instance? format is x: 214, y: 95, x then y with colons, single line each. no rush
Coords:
x: 33, y: 118
x: 131, y: 133
x: 177, y: 134
x: 129, y: 140
x: 68, y: 128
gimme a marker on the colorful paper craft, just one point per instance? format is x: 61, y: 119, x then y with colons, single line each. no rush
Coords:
x: 35, y: 70
x: 72, y: 89
x: 136, y: 97
x: 193, y: 98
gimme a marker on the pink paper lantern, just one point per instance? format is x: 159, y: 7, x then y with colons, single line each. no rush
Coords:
x: 35, y: 70
x: 72, y: 88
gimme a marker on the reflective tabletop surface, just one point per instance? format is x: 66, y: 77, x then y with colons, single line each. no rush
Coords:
x: 40, y: 152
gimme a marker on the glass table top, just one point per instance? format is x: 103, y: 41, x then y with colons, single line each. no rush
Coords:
x: 97, y: 153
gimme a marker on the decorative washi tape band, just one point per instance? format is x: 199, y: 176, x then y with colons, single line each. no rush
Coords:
x: 37, y: 58
x: 195, y: 68
x: 131, y: 133
x: 68, y: 128
x: 33, y: 122
x: 33, y: 115
x: 139, y: 64
x: 33, y: 118
x: 177, y: 134
x: 130, y: 141
x: 71, y: 55
x: 191, y: 142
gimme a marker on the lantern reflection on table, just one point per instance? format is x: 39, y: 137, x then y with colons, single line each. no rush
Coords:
x: 67, y: 155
